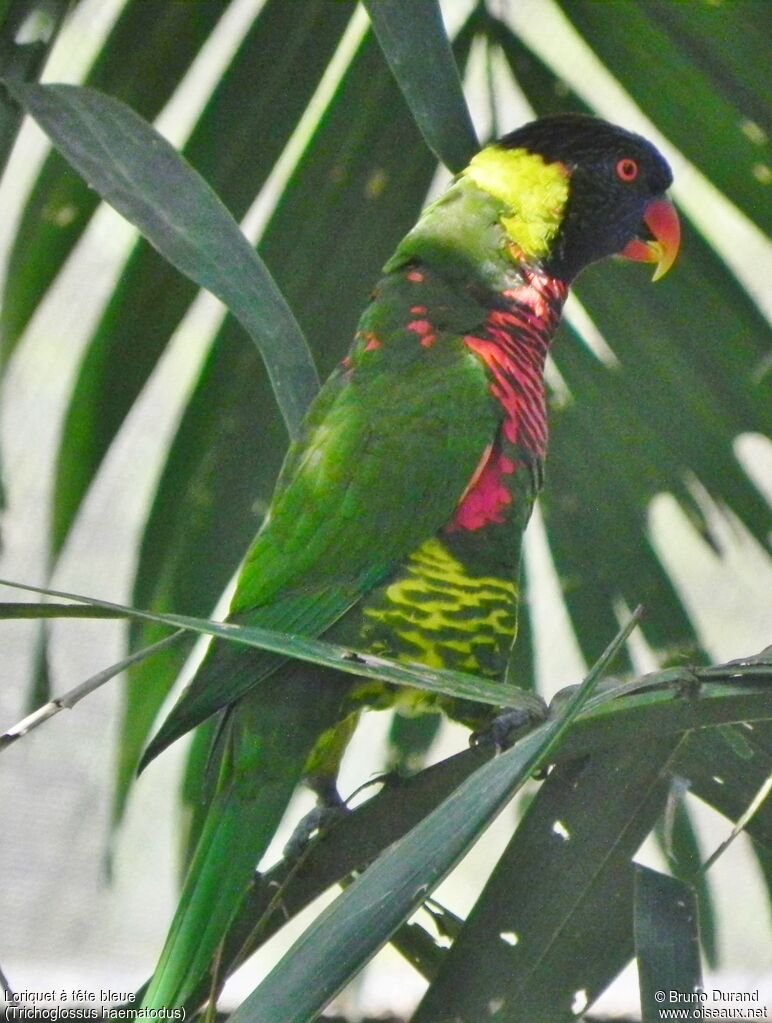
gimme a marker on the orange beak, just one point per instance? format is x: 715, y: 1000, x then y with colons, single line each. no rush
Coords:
x: 662, y: 221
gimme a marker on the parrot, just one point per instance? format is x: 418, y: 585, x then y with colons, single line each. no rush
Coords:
x: 397, y: 519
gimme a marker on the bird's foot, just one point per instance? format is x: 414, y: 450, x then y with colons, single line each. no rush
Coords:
x: 316, y: 822
x: 690, y: 684
x: 507, y: 727
x: 386, y: 779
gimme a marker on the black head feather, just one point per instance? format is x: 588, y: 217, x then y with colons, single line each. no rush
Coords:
x: 604, y: 211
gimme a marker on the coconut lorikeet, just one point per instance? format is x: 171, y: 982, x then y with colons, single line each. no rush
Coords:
x: 397, y: 520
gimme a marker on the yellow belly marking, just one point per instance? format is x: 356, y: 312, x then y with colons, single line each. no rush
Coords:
x: 440, y: 615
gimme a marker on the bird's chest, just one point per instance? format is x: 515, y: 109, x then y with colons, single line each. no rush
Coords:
x: 452, y: 603
x: 512, y: 344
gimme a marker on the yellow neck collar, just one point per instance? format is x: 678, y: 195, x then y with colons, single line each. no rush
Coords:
x: 533, y: 191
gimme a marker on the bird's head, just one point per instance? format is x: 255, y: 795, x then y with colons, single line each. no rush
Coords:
x: 574, y: 189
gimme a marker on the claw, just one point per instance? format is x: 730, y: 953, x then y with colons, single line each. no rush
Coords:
x: 507, y: 727
x: 316, y: 823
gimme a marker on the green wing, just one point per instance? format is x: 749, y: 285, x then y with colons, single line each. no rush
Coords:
x: 387, y: 452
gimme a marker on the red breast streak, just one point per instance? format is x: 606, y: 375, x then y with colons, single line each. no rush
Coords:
x: 513, y: 345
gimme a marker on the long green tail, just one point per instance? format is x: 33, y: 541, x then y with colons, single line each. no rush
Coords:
x: 271, y: 733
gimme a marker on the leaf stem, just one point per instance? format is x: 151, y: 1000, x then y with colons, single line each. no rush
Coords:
x: 79, y: 692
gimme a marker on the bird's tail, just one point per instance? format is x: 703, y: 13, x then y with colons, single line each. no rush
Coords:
x: 271, y: 733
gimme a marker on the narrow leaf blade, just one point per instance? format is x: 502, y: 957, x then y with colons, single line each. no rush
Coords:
x: 451, y: 683
x: 343, y: 938
x: 667, y: 945
x: 413, y: 39
x: 563, y: 884
x: 234, y: 146
x: 147, y: 181
x: 141, y: 62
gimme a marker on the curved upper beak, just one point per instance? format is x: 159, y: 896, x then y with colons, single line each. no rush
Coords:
x: 662, y: 224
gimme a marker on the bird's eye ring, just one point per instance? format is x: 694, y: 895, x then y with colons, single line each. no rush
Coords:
x: 627, y: 169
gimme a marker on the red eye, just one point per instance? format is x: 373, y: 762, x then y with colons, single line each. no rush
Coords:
x: 627, y: 169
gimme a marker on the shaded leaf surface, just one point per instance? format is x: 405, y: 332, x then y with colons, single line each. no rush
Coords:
x: 348, y: 933
x: 678, y: 839
x: 708, y: 58
x: 667, y: 944
x: 352, y: 844
x: 686, y: 386
x: 726, y: 767
x: 147, y: 181
x: 413, y: 39
x: 234, y: 146
x: 564, y: 881
x: 141, y: 63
